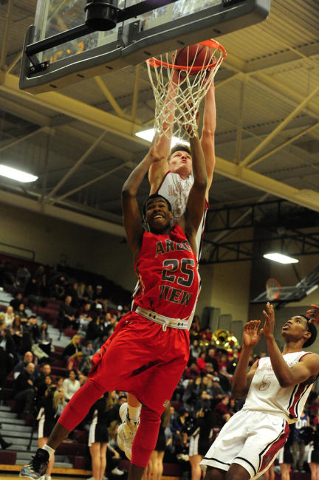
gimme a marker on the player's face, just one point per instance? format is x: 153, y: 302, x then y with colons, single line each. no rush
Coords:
x: 295, y: 327
x: 158, y: 215
x: 181, y: 162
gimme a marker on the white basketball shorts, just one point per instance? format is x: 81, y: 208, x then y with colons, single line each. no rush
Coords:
x: 251, y: 439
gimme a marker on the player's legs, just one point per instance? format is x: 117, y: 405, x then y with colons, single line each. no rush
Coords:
x: 130, y: 416
x: 146, y: 437
x: 284, y: 470
x: 251, y: 440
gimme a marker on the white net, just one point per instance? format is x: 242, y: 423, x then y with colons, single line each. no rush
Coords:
x: 273, y: 288
x: 179, y: 90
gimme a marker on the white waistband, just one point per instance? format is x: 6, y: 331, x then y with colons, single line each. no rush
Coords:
x: 161, y: 319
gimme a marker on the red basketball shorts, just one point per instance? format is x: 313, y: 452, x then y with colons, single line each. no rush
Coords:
x: 143, y: 359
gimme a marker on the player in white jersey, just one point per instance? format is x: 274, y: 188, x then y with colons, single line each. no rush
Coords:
x: 277, y: 388
x: 172, y: 177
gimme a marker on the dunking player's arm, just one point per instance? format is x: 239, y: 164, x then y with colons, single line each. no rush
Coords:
x: 195, y: 205
x: 304, y: 371
x: 159, y: 169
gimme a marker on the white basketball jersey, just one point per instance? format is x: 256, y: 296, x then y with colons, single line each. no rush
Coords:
x: 176, y: 190
x: 266, y: 395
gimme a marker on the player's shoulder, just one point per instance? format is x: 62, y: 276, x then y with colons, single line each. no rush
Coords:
x: 309, y: 357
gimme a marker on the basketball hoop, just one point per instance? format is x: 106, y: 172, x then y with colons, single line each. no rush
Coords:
x: 273, y: 288
x: 180, y: 88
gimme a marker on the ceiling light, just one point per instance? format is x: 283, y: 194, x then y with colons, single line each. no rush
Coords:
x: 17, y: 175
x: 149, y: 135
x: 280, y: 258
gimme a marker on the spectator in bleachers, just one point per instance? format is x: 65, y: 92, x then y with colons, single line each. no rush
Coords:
x: 211, y: 358
x: 217, y: 391
x: 40, y: 277
x: 7, y: 342
x: 20, y: 366
x: 44, y: 369
x: 73, y: 347
x: 21, y: 311
x: 9, y: 316
x: 22, y: 277
x: 42, y: 387
x: 16, y: 302
x: 201, y: 362
x: 66, y: 317
x: 98, y: 293
x: 96, y: 328
x: 6, y: 366
x: 60, y: 286
x: 191, y: 372
x: 51, y: 407
x: 88, y: 349
x: 70, y: 385
x: 195, y: 350
x: 85, y: 316
x: 43, y: 339
x: 89, y: 292
x: 24, y: 388
x: 81, y: 293
x: 72, y: 291
x: 59, y: 382
x: 221, y: 411
x: 73, y: 362
x: 32, y: 328
x: 17, y: 331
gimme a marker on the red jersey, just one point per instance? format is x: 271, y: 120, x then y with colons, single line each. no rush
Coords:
x: 167, y: 271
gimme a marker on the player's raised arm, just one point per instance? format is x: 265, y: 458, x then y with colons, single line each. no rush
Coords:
x: 307, y: 368
x: 196, y: 199
x: 132, y: 219
x: 242, y: 380
x: 159, y: 169
x: 208, y: 135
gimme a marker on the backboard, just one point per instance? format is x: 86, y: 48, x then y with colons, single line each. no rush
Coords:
x: 61, y: 49
x: 292, y: 293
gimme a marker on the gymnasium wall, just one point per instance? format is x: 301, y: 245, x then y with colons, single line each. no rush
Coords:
x: 84, y: 247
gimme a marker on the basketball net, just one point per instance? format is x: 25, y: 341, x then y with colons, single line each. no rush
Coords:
x: 273, y: 288
x: 179, y: 90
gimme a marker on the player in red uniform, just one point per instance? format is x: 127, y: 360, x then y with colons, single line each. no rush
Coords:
x: 149, y: 349
x: 172, y: 177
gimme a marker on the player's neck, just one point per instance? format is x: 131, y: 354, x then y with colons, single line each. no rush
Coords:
x: 292, y: 347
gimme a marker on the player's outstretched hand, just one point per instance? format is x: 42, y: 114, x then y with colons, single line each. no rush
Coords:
x: 251, y: 335
x: 269, y: 315
x: 313, y: 314
x: 156, y: 153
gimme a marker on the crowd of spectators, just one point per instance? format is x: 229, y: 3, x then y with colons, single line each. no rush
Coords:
x: 201, y: 403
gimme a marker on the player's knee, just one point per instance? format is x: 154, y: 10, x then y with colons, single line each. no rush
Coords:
x: 237, y: 472
x: 214, y: 474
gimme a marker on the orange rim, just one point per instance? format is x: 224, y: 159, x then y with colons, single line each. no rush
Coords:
x: 271, y: 284
x: 154, y: 62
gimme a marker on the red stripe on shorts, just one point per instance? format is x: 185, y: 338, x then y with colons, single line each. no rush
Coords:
x: 273, y: 448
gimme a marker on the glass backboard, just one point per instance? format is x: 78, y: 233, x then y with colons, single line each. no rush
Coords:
x: 170, y: 24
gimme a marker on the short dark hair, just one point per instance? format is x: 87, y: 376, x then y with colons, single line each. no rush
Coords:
x: 155, y: 195
x: 179, y: 148
x: 311, y: 327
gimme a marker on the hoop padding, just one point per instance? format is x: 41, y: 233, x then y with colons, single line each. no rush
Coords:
x: 273, y: 288
x: 179, y: 89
